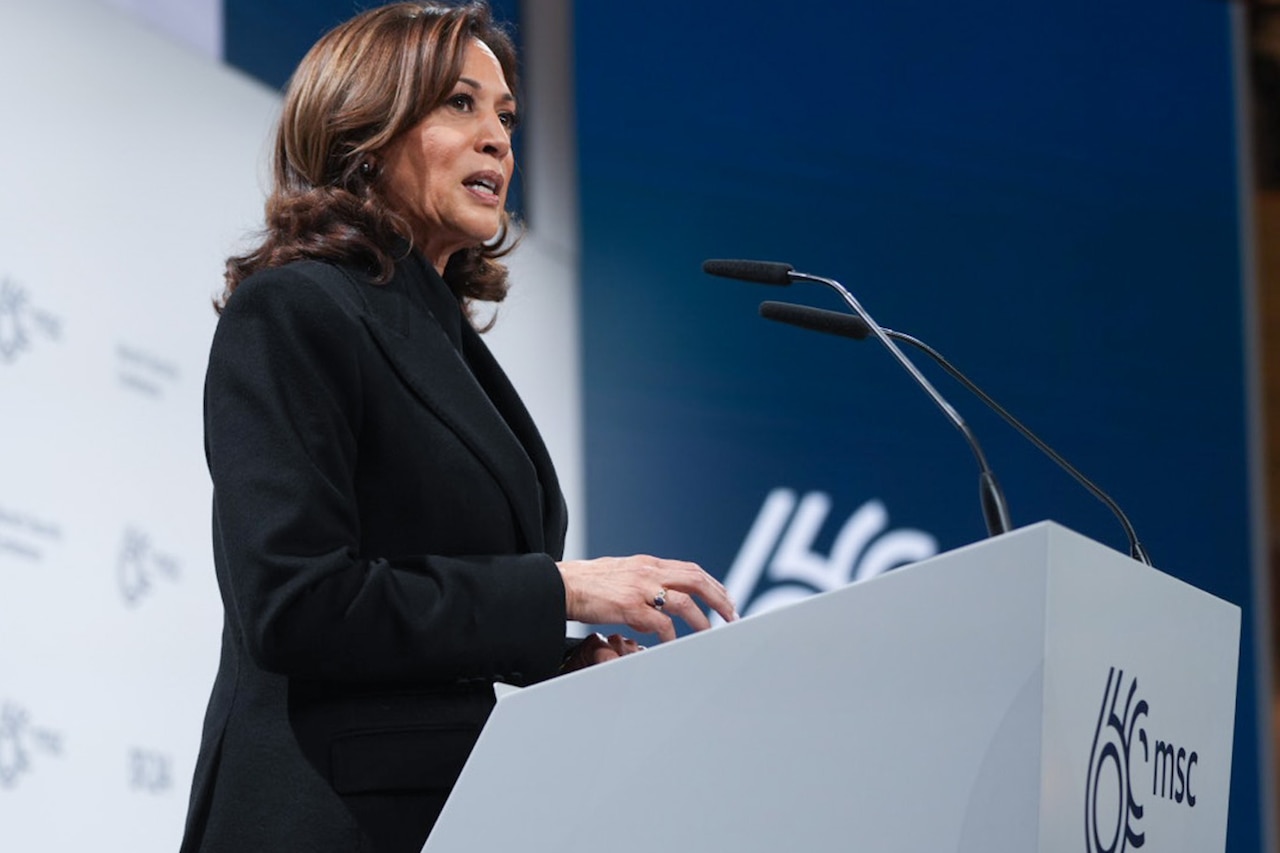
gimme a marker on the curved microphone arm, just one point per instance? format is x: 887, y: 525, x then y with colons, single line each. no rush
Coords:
x: 853, y: 326
x: 1136, y: 550
x: 995, y: 508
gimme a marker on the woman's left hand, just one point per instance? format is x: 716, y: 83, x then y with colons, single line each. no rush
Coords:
x: 597, y: 648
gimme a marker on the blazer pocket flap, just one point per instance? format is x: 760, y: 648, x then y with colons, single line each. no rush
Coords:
x: 409, y: 759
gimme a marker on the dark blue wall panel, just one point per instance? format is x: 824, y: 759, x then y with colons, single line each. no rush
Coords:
x: 267, y: 38
x: 1046, y: 193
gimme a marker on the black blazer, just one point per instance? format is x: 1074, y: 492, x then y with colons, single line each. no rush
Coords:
x: 386, y: 522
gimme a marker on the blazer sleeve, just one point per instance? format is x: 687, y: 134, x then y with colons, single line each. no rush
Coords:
x: 282, y: 416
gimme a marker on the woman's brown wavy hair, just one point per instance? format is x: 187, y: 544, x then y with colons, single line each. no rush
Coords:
x: 357, y: 89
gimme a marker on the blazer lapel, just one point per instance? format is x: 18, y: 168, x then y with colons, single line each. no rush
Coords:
x: 427, y: 362
x: 504, y: 397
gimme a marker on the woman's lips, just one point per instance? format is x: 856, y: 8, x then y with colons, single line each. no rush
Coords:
x: 486, y: 186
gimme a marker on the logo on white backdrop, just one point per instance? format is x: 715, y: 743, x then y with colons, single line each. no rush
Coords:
x: 1115, y: 784
x: 777, y: 563
x: 150, y: 772
x: 21, y: 743
x: 22, y: 323
x: 25, y: 536
x: 140, y: 566
x: 144, y: 372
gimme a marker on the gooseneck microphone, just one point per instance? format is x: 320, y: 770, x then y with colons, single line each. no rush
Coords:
x: 761, y: 272
x: 819, y: 320
x: 849, y: 326
x: 995, y: 510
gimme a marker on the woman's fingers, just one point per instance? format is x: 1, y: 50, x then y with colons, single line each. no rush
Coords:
x: 692, y: 580
x: 651, y: 620
x: 642, y: 592
x: 623, y: 645
x: 687, y: 609
x: 604, y: 654
x: 596, y: 648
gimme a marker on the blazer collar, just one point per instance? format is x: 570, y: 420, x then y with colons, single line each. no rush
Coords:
x: 492, y: 377
x: 430, y: 363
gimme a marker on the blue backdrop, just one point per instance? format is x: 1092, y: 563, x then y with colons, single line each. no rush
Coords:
x: 1046, y: 193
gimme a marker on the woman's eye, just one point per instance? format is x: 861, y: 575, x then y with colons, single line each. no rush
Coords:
x: 461, y: 102
x: 509, y: 120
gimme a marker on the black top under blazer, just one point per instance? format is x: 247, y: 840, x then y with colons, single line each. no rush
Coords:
x: 386, y: 521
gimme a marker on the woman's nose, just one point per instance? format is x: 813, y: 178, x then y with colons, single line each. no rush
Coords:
x: 493, y: 137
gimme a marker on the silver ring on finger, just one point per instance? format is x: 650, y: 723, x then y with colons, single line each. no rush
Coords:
x: 659, y: 601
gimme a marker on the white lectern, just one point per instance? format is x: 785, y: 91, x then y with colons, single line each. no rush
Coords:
x: 1033, y: 692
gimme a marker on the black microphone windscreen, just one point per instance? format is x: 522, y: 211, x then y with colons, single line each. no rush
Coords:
x: 817, y: 319
x: 762, y: 272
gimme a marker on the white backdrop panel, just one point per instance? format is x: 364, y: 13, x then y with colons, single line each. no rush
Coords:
x: 129, y: 168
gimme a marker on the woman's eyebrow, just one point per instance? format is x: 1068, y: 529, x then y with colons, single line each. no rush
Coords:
x: 505, y: 97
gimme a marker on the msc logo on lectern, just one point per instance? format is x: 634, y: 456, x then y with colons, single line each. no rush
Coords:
x: 1115, y: 785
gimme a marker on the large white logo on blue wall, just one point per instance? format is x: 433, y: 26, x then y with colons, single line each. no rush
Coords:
x: 777, y: 565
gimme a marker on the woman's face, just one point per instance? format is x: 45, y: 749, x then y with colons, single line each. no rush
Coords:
x: 448, y: 175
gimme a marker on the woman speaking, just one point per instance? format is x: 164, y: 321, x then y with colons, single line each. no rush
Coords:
x: 387, y: 524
